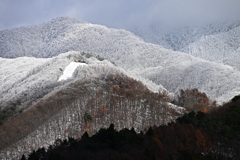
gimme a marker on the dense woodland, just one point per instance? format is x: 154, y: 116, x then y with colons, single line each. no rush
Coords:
x: 196, y: 136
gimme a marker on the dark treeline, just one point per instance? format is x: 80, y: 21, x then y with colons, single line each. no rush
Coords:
x: 196, y: 136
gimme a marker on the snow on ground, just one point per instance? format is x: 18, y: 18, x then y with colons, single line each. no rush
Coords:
x: 173, y: 70
x: 178, y: 109
x: 216, y: 42
x: 222, y: 47
x: 28, y: 79
x: 68, y: 72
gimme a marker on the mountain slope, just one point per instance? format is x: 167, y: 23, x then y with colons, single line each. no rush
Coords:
x: 218, y: 42
x: 57, y: 71
x: 85, y: 105
x: 128, y: 51
x: 27, y: 79
x: 223, y: 47
x: 179, y: 37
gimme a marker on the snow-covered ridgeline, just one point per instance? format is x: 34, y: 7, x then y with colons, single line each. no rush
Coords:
x: 216, y: 42
x: 223, y: 47
x: 27, y: 79
x: 162, y: 66
x: 179, y: 37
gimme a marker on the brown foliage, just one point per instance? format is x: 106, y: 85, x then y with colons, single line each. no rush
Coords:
x: 204, y: 110
x: 193, y: 100
x: 200, y: 140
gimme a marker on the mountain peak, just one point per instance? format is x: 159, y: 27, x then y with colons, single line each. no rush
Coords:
x: 66, y: 20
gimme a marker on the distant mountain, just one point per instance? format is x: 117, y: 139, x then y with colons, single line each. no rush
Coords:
x: 173, y: 70
x: 223, y: 47
x: 179, y: 37
x: 218, y: 42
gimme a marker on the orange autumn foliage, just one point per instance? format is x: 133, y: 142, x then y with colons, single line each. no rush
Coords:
x: 86, y: 129
x: 204, y: 110
x: 116, y: 87
x: 104, y: 109
x: 102, y: 106
x: 200, y: 139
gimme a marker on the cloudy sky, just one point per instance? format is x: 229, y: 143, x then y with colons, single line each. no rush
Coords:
x: 118, y: 13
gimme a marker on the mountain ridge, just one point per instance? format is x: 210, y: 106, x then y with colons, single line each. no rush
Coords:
x: 127, y: 51
x: 118, y: 78
x: 22, y: 83
x: 218, y: 42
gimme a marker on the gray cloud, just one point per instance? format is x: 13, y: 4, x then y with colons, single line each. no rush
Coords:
x: 118, y: 14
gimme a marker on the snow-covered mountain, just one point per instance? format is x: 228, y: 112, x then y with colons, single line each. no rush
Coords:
x: 218, y: 42
x: 223, y: 47
x: 61, y: 114
x: 179, y: 37
x: 26, y: 79
x: 60, y: 70
x: 62, y: 89
x: 173, y: 70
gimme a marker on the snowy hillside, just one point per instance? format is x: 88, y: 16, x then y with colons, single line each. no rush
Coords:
x: 174, y: 70
x: 26, y: 79
x: 179, y: 37
x: 115, y: 98
x: 218, y: 42
x: 61, y: 89
x: 223, y: 47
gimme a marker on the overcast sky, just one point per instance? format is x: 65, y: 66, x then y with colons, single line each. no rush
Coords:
x: 118, y: 13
